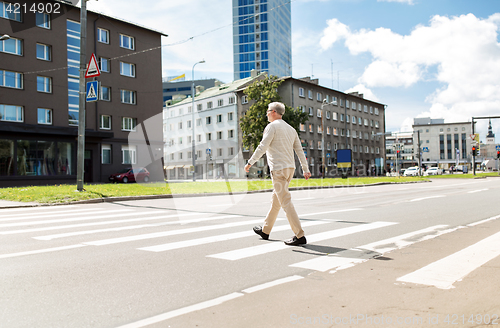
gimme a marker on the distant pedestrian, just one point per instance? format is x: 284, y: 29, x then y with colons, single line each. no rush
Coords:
x: 279, y: 142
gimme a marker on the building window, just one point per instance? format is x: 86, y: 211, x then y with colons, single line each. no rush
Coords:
x: 180, y: 125
x: 11, y: 113
x: 127, y: 42
x: 244, y: 100
x: 102, y: 35
x: 42, y: 20
x: 208, y: 120
x: 347, y: 103
x: 209, y: 105
x: 199, y: 107
x: 129, y: 124
x: 44, y: 116
x: 230, y: 116
x: 310, y: 94
x: 106, y: 154
x: 127, y: 69
x: 334, y: 116
x: 302, y: 127
x: 106, y: 122
x: 10, y: 79
x: 219, y: 135
x: 128, y: 97
x: 311, y: 111
x: 220, y: 102
x: 129, y: 154
x: 318, y: 112
x: 44, y: 84
x: 334, y: 100
x: 327, y: 115
x: 105, y: 93
x: 219, y: 152
x: 354, y: 106
x: 12, y: 46
x: 230, y: 134
x: 302, y: 93
x: 10, y: 11
x: 319, y: 96
x: 105, y: 64
x: 311, y: 128
x: 209, y: 136
x: 231, y: 100
x: 43, y: 52
x: 219, y: 118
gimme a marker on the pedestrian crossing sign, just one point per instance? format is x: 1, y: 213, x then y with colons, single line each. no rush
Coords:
x: 92, y: 91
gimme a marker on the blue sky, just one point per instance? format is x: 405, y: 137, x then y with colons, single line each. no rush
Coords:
x: 438, y: 58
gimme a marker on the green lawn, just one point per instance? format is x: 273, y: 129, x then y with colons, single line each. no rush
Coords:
x: 68, y: 193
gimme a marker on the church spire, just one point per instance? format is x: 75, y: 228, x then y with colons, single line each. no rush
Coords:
x: 490, y: 131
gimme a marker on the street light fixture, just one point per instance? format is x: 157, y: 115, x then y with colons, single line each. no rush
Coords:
x: 193, y: 91
x: 4, y: 37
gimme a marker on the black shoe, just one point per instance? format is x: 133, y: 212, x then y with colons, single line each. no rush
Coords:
x: 258, y: 230
x: 296, y: 241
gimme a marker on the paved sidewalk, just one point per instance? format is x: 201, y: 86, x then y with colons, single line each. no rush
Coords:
x: 369, y: 295
x: 10, y: 204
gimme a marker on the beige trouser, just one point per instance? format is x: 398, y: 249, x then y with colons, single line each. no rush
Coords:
x: 282, y: 198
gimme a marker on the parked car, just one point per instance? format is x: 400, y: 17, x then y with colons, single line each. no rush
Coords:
x: 411, y: 171
x: 433, y: 171
x: 130, y: 175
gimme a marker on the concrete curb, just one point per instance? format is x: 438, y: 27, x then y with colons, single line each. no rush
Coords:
x: 148, y: 197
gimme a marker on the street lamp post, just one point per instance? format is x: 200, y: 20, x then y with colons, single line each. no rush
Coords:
x: 4, y: 37
x: 323, y: 164
x: 81, y: 104
x: 193, y: 91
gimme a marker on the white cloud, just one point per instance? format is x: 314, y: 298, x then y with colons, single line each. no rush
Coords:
x: 462, y: 53
x: 367, y: 93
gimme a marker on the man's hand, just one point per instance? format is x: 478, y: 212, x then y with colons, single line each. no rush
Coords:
x: 247, y: 168
x: 307, y: 175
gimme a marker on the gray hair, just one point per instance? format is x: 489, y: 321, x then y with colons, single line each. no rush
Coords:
x: 278, y: 107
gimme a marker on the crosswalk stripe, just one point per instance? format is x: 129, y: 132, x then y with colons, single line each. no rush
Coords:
x: 40, y: 251
x: 347, y: 258
x: 146, y: 218
x: 91, y: 216
x: 26, y: 216
x: 271, y: 284
x: 267, y: 248
x: 445, y: 272
x: 172, y: 232
x: 34, y: 208
x: 213, y: 239
x: 424, y: 198
x: 87, y: 232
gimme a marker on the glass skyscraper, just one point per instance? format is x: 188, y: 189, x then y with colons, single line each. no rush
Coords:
x: 262, y: 37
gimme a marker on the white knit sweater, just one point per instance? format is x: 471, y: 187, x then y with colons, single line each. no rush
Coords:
x: 279, y: 142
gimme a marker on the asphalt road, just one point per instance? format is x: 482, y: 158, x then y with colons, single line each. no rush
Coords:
x: 117, y: 264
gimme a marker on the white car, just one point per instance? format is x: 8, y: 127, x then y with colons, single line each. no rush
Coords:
x: 433, y: 171
x: 411, y: 171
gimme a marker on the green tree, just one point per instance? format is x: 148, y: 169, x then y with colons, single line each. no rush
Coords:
x: 253, y: 123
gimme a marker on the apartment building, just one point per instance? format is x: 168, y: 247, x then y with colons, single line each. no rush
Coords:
x: 218, y: 145
x: 350, y: 122
x: 39, y: 94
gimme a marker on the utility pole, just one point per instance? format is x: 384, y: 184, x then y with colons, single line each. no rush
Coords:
x: 82, y: 98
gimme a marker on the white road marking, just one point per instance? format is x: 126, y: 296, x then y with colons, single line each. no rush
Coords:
x: 79, y: 225
x: 424, y: 198
x: 348, y: 258
x: 26, y: 216
x: 271, y: 284
x: 91, y: 216
x: 474, y: 191
x: 39, y: 251
x: 37, y: 208
x: 77, y: 233
x: 170, y: 233
x: 267, y: 248
x: 185, y: 310
x: 213, y: 239
x: 483, y: 221
x: 445, y: 272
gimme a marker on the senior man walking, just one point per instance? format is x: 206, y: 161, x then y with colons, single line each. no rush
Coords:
x: 279, y: 142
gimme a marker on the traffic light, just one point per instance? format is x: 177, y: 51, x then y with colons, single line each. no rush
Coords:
x: 397, y: 154
x: 474, y: 150
x: 498, y: 154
